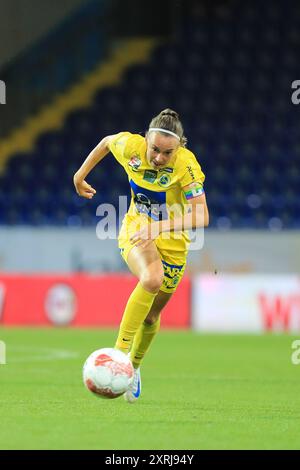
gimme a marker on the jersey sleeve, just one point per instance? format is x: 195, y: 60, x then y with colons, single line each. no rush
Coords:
x: 192, y: 173
x: 119, y: 146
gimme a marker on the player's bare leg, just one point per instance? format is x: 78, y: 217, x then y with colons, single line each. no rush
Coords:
x: 159, y: 303
x: 146, y: 265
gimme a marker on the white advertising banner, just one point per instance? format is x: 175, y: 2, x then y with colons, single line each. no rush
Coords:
x: 246, y: 303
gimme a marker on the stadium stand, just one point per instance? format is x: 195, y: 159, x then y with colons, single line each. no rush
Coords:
x: 222, y: 76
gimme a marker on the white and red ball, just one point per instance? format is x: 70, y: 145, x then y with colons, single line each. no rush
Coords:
x: 108, y: 373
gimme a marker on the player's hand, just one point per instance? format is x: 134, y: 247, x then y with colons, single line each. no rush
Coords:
x: 146, y: 235
x: 83, y: 188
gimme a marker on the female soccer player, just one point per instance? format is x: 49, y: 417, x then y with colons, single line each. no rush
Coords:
x: 167, y: 199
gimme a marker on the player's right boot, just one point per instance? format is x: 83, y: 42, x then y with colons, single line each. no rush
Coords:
x: 134, y: 390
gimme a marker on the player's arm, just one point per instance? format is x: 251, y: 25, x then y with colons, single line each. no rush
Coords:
x: 198, y: 209
x: 97, y: 154
x: 197, y: 214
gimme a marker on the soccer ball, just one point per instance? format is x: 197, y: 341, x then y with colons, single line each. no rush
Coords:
x: 108, y: 373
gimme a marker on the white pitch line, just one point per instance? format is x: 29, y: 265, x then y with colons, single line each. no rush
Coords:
x: 43, y: 354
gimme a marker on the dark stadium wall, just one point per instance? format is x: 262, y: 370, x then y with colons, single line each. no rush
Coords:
x: 22, y: 22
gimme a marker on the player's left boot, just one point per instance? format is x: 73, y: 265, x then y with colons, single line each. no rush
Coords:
x: 134, y: 391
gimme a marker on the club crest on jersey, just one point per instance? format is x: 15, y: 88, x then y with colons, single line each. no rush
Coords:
x: 134, y: 163
x: 164, y: 180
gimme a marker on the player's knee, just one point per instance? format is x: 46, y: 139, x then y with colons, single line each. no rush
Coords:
x: 152, y: 282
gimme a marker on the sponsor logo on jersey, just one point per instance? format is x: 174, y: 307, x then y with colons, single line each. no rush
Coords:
x: 150, y: 175
x: 167, y: 169
x: 190, y: 170
x: 152, y: 203
x: 135, y: 163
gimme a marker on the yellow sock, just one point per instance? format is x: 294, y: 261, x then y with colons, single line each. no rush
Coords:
x: 137, y: 308
x: 142, y: 341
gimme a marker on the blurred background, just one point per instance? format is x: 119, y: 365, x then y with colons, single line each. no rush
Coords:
x: 78, y: 70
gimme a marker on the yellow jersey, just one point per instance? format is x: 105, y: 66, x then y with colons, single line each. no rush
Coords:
x: 153, y: 191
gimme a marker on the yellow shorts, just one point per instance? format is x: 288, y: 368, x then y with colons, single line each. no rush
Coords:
x: 174, y: 262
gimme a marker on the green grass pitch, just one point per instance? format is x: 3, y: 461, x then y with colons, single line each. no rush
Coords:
x: 199, y: 392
